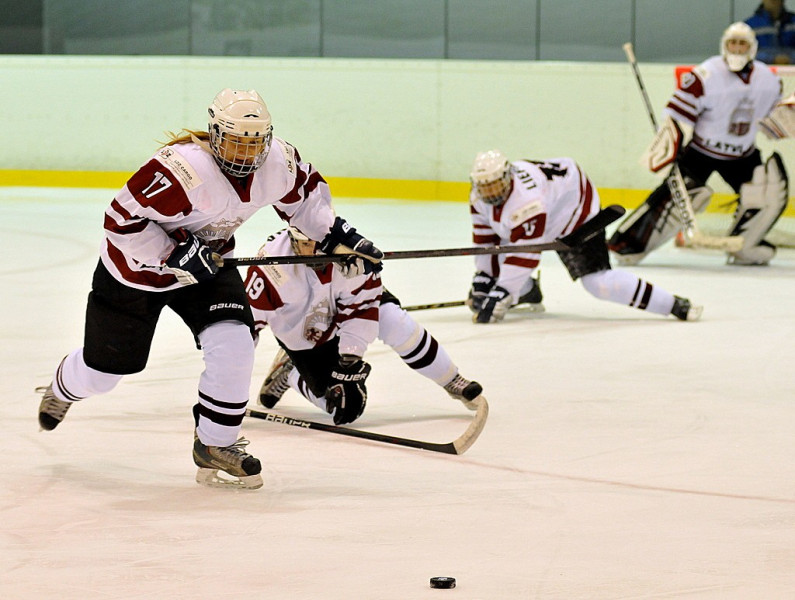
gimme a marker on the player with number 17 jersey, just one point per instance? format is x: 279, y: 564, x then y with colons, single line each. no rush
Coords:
x: 181, y: 186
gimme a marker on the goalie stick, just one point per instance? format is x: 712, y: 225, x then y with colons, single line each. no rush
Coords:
x: 583, y: 233
x: 458, y: 446
x: 694, y: 238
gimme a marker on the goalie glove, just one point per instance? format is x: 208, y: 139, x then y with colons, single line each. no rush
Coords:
x: 346, y: 394
x: 494, y: 306
x: 482, y: 283
x: 190, y: 261
x: 780, y: 123
x: 342, y: 238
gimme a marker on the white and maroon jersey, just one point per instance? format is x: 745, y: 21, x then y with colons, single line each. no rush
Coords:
x: 182, y: 186
x: 550, y: 198
x: 306, y: 307
x: 723, y: 107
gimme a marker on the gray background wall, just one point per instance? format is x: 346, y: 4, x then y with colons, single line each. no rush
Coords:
x: 662, y: 30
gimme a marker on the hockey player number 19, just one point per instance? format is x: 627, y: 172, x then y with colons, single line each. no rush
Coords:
x: 255, y: 286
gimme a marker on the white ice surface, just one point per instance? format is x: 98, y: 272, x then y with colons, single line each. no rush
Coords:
x: 626, y: 456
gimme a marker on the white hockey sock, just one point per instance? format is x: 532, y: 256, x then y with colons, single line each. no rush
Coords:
x: 418, y: 348
x: 75, y: 380
x: 622, y: 287
x: 224, y: 384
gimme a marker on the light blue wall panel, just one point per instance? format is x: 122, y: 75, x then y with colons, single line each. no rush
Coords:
x: 680, y: 31
x: 576, y: 30
x: 397, y: 29
x: 142, y: 27
x: 508, y: 29
x: 593, y: 30
x: 255, y: 28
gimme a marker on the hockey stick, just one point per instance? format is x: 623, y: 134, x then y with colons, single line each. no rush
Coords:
x: 457, y: 446
x: 434, y: 305
x: 694, y: 238
x: 583, y: 233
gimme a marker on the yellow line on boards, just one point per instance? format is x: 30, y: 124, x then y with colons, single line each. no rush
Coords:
x: 343, y: 187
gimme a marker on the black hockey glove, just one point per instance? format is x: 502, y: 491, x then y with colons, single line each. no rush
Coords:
x: 482, y: 283
x: 494, y: 306
x: 343, y: 238
x: 191, y: 261
x: 346, y: 395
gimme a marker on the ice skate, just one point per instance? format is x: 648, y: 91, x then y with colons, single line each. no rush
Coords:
x: 51, y: 410
x: 464, y: 390
x: 242, y: 468
x: 532, y: 300
x: 275, y: 383
x: 759, y: 255
x: 684, y: 310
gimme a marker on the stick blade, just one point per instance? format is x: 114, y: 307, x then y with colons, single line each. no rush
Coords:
x: 466, y: 439
x: 710, y: 242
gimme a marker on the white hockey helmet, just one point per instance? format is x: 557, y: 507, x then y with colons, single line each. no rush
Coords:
x: 240, y: 131
x: 491, y: 177
x: 738, y: 32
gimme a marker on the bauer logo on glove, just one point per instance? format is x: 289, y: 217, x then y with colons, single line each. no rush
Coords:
x: 190, y: 261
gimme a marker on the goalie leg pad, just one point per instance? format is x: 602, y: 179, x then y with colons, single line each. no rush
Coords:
x: 654, y: 222
x: 762, y: 201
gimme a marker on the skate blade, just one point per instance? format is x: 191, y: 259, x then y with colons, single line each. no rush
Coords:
x: 529, y: 308
x: 211, y: 478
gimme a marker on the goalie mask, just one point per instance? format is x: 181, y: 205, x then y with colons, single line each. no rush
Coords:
x: 240, y: 131
x: 738, y: 46
x: 491, y: 177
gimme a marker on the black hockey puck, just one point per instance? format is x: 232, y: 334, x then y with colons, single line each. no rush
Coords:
x: 442, y: 583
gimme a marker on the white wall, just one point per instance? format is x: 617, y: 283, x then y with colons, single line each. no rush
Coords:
x: 390, y: 119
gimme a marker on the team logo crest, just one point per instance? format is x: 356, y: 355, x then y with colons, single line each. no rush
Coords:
x: 741, y: 117
x: 317, y: 322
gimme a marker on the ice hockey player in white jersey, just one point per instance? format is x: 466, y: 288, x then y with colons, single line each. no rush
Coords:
x: 529, y: 201
x: 164, y: 231
x: 722, y: 100
x: 324, y: 318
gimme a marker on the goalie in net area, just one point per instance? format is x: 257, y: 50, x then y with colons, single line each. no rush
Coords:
x: 723, y: 100
x: 529, y: 201
x: 324, y: 318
